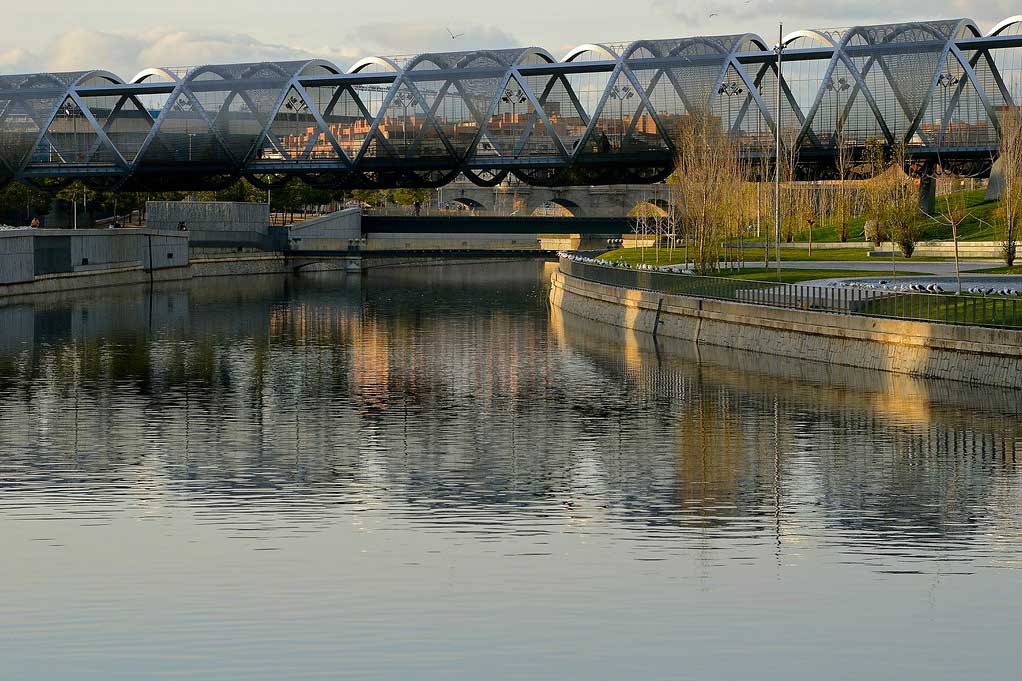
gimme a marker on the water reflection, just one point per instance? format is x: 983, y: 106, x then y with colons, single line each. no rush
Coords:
x: 448, y: 415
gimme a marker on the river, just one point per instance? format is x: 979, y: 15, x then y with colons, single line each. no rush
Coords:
x: 427, y: 473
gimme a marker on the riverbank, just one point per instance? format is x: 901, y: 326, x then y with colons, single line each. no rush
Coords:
x: 40, y: 262
x: 932, y: 350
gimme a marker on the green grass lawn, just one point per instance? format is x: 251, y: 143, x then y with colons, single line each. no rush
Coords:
x: 1017, y: 269
x: 977, y: 227
x: 964, y: 309
x: 648, y: 256
x: 800, y: 275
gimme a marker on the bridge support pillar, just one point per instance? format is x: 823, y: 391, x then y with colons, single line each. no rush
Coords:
x: 928, y: 192
x: 996, y: 180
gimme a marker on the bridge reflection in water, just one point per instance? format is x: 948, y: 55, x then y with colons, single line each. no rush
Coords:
x: 602, y: 115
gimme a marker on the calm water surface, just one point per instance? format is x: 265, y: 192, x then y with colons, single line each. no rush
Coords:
x: 428, y: 474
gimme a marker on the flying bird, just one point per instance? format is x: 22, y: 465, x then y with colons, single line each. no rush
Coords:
x: 454, y: 36
x: 713, y: 15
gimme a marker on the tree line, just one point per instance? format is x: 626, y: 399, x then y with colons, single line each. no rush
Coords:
x: 719, y: 199
x: 20, y: 203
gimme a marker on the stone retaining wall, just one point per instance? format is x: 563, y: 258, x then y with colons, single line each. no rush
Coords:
x: 970, y: 354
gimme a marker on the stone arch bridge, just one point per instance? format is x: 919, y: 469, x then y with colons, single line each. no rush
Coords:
x: 586, y: 201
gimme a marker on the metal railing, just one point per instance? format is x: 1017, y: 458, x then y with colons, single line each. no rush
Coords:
x: 994, y: 311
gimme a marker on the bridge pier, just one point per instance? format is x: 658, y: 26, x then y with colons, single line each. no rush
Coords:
x: 928, y: 191
x: 996, y: 181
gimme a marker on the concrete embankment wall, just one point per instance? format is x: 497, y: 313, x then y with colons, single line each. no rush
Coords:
x: 48, y: 261
x: 213, y: 221
x: 126, y: 276
x: 970, y: 354
x: 32, y: 255
x: 334, y: 232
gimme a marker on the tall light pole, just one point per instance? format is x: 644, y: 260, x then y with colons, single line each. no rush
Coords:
x: 405, y: 99
x: 946, y: 81
x: 777, y: 154
x: 296, y: 106
x: 514, y: 96
x: 71, y: 111
x: 730, y: 90
x: 621, y: 93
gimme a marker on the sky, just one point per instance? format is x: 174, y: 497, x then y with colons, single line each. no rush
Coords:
x: 125, y: 36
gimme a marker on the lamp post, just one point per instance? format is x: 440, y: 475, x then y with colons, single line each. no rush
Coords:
x: 296, y: 106
x: 514, y: 96
x: 730, y: 90
x: 71, y: 112
x: 837, y: 87
x: 777, y: 153
x: 405, y: 99
x: 621, y: 93
x: 946, y: 81
x: 184, y: 106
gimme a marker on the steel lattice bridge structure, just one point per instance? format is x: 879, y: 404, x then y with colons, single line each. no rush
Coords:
x: 604, y: 114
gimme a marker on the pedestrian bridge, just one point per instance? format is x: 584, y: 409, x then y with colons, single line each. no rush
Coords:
x: 602, y: 114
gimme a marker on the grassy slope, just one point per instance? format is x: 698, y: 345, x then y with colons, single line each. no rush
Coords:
x: 975, y: 228
x: 634, y: 256
x: 796, y: 276
x: 1017, y: 269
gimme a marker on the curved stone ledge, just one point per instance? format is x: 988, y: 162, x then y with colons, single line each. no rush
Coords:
x: 961, y: 353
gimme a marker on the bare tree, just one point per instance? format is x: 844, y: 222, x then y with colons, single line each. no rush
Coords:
x: 952, y: 209
x: 891, y: 202
x: 806, y: 207
x: 709, y: 170
x: 903, y: 214
x: 1010, y: 211
x: 842, y: 200
x: 874, y: 165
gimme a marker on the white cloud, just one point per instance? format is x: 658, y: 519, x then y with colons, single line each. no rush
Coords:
x: 16, y: 60
x: 82, y: 49
x: 762, y: 15
x: 406, y: 38
x: 183, y: 48
x: 114, y: 41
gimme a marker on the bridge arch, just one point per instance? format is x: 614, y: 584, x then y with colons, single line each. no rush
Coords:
x: 558, y: 206
x: 649, y: 208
